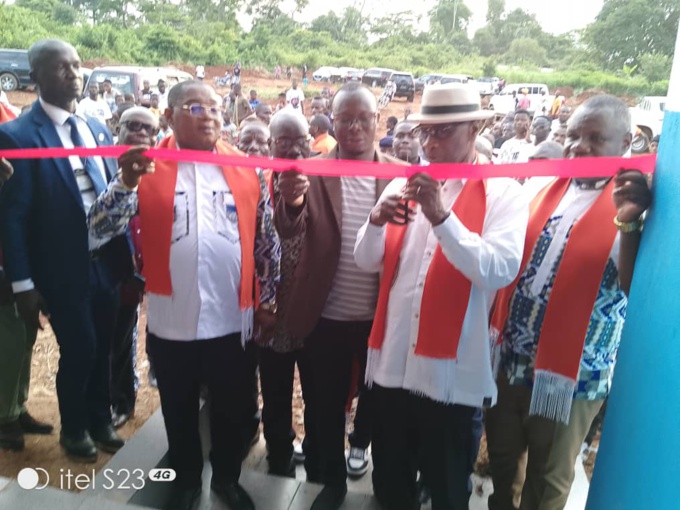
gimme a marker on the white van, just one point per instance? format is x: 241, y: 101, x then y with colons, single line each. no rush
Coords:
x: 538, y: 93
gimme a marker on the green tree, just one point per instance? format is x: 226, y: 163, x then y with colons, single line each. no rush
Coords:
x: 400, y: 24
x: 448, y: 17
x: 526, y: 51
x: 655, y: 67
x: 495, y: 10
x: 626, y: 29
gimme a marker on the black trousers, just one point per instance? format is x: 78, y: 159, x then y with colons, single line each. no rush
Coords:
x: 181, y: 367
x: 363, y: 418
x: 332, y: 348
x: 252, y: 415
x: 411, y: 432
x: 277, y: 374
x: 84, y: 331
x: 123, y: 394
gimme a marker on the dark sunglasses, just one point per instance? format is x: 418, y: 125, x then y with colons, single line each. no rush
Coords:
x: 436, y: 132
x: 135, y: 126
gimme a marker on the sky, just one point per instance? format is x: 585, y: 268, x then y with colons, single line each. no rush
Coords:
x: 556, y: 17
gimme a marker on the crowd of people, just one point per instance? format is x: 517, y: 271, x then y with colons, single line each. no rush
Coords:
x: 447, y: 306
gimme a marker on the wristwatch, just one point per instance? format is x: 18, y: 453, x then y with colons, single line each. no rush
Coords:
x: 628, y: 227
x: 269, y: 307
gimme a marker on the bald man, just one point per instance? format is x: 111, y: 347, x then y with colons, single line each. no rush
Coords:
x: 58, y: 268
x: 542, y: 409
x: 137, y: 126
x: 283, y: 351
x: 319, y: 127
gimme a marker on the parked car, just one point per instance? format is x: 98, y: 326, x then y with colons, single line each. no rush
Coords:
x: 355, y: 75
x: 406, y: 86
x: 426, y: 79
x: 538, y: 93
x: 488, y: 86
x: 130, y: 79
x: 325, y: 73
x: 454, y: 78
x: 647, y: 118
x: 376, y: 76
x: 14, y: 70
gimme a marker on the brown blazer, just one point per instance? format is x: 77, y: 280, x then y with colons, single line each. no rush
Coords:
x: 319, y: 219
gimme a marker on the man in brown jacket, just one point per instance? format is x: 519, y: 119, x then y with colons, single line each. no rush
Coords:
x: 334, y: 300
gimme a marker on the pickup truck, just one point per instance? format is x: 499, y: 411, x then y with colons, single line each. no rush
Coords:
x: 538, y: 93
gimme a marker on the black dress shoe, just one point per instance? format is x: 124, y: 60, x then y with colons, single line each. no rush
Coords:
x: 118, y: 420
x: 233, y: 495
x: 32, y: 426
x: 81, y: 448
x: 106, y: 439
x: 330, y: 498
x: 11, y: 436
x: 183, y: 499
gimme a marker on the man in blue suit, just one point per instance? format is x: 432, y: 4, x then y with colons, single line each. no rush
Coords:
x: 53, y: 266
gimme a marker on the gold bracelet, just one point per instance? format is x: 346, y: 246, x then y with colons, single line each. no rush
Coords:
x: 628, y: 227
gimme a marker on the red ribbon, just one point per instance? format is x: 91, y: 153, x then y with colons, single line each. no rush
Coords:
x: 570, y: 168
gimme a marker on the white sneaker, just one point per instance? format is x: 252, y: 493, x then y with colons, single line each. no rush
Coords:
x: 357, y: 462
x: 298, y: 453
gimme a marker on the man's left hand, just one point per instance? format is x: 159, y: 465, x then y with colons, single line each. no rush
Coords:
x: 425, y: 190
x: 6, y: 170
x: 265, y: 322
x: 632, y: 195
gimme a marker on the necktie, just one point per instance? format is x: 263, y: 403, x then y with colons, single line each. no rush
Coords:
x: 89, y: 164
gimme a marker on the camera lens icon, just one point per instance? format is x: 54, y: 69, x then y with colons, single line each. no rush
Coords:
x: 29, y: 478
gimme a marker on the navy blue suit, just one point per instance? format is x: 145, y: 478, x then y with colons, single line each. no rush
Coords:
x: 43, y: 231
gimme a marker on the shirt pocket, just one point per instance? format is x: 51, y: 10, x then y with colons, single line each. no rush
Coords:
x: 225, y: 216
x: 180, y: 222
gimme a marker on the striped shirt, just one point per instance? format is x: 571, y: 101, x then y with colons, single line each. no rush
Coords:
x: 354, y: 293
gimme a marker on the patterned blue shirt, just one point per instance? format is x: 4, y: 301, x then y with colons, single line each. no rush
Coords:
x: 522, y: 330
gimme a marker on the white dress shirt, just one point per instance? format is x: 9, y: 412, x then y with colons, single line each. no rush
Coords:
x: 205, y: 260
x: 59, y: 118
x: 490, y: 261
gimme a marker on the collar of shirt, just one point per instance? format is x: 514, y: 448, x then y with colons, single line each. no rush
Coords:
x: 58, y: 115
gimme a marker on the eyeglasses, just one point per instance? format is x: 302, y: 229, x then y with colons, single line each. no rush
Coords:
x: 364, y: 121
x: 287, y: 143
x: 199, y: 110
x: 436, y: 132
x: 135, y: 126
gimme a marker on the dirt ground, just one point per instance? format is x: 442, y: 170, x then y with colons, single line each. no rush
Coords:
x: 44, y: 451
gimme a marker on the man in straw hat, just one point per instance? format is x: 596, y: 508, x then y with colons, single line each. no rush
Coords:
x: 559, y: 324
x: 444, y: 248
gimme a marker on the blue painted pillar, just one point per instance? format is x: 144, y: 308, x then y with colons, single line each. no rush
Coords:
x: 638, y: 463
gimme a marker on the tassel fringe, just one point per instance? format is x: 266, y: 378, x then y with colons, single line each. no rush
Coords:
x: 372, y: 362
x: 247, y: 325
x: 552, y: 396
x: 495, y: 349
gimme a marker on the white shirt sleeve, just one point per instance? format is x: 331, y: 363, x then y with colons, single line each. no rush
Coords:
x: 492, y: 260
x: 22, y: 286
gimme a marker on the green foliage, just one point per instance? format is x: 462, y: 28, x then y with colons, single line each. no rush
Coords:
x: 632, y: 38
x: 626, y: 29
x: 655, y: 66
x: 526, y: 51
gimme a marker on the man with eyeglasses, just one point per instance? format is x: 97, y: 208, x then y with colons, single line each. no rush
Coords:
x: 138, y: 126
x: 53, y: 265
x: 282, y: 351
x: 334, y: 299
x: 211, y: 236
x: 444, y: 249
